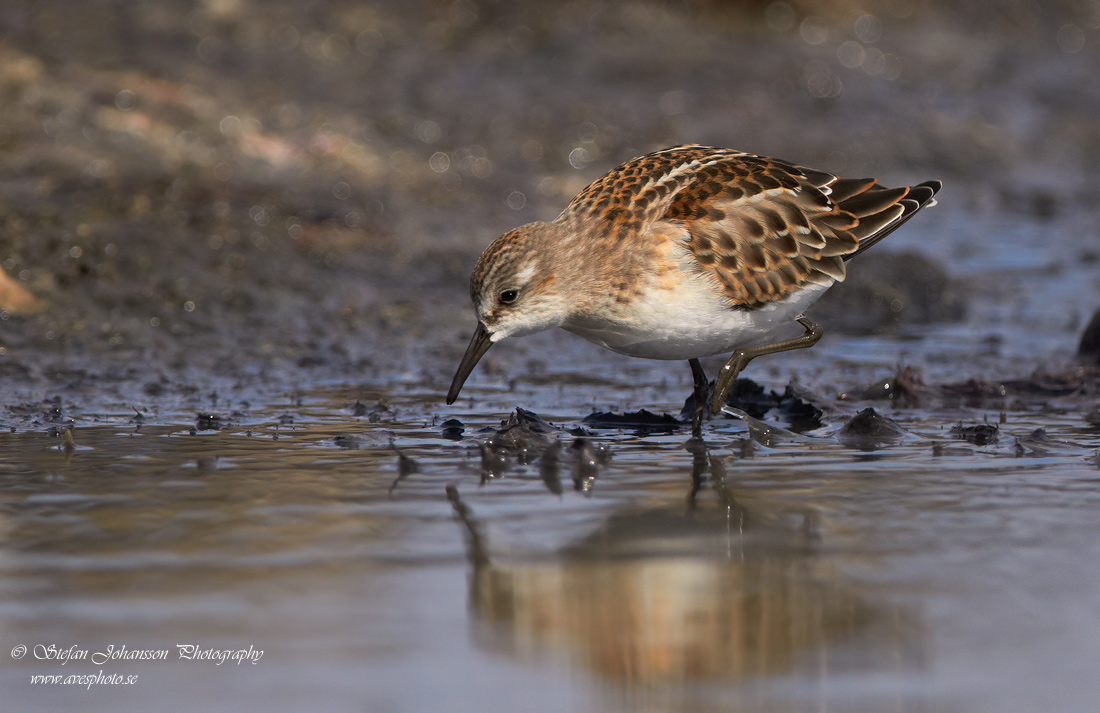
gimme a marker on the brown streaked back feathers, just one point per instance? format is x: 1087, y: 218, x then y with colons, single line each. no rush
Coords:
x: 762, y: 228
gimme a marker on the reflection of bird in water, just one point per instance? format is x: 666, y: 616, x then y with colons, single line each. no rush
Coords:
x: 657, y: 596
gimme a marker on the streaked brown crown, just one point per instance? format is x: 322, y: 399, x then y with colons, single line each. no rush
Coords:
x: 499, y: 252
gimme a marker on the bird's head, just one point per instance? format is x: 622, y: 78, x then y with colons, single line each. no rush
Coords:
x: 515, y: 292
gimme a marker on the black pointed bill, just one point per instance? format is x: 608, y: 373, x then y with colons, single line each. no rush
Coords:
x: 479, y: 344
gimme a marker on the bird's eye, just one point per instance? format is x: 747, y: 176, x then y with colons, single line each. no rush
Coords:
x: 509, y: 296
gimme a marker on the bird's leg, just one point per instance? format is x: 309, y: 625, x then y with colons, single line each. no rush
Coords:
x: 742, y: 357
x: 702, y: 388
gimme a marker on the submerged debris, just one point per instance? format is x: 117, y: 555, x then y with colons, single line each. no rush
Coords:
x: 794, y: 406
x: 981, y: 434
x: 642, y: 421
x: 208, y: 422
x: 46, y: 411
x: 524, y: 436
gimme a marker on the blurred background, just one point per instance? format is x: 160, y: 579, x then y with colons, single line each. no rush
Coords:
x: 235, y: 244
x: 229, y: 183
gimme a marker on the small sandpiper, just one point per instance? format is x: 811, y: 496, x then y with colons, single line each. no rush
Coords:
x: 685, y: 253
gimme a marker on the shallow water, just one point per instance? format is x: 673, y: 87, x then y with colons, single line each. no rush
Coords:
x: 931, y: 574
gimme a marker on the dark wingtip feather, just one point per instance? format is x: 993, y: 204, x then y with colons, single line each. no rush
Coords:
x: 924, y: 192
x: 919, y: 196
x: 846, y: 188
x: 873, y: 202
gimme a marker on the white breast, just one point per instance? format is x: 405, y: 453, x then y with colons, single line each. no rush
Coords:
x: 691, y: 318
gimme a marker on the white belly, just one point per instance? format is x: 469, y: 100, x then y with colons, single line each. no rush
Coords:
x: 695, y: 320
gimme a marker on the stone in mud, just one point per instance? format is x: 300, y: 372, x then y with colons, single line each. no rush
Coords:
x: 868, y: 430
x: 524, y: 425
x: 524, y: 434
x: 452, y: 429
